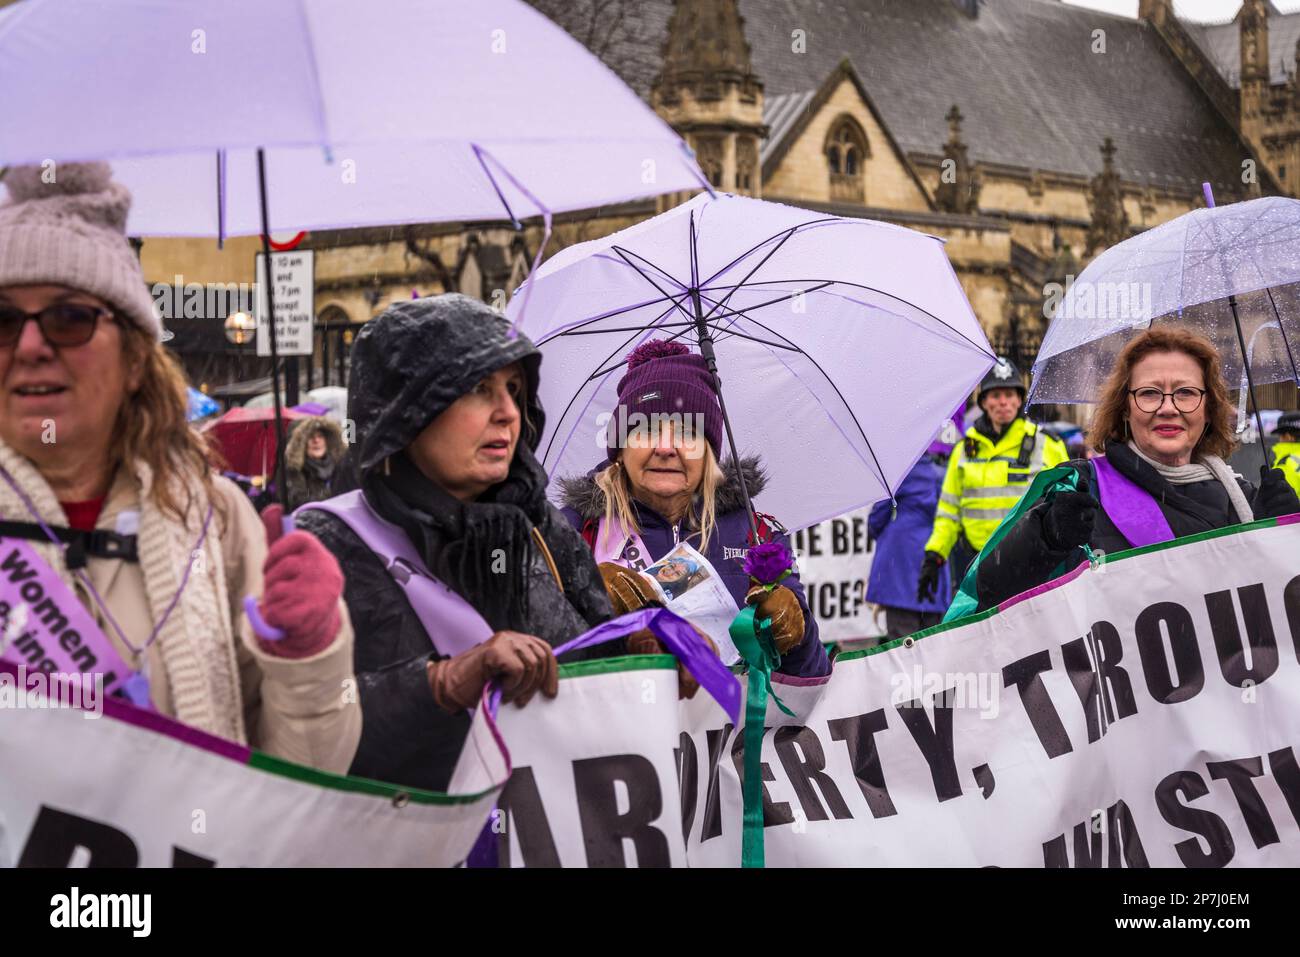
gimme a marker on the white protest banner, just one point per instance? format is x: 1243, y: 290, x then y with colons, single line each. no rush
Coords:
x: 834, y: 564
x: 130, y: 788
x: 295, y: 303
x: 1145, y: 712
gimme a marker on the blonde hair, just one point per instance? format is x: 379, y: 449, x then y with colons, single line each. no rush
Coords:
x: 614, y: 483
x: 152, y: 427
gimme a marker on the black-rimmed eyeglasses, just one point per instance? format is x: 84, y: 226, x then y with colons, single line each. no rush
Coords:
x: 1186, y: 399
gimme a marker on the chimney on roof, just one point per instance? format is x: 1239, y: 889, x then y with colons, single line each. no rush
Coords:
x: 969, y: 7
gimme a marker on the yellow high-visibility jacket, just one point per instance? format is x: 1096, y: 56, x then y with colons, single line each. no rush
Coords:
x: 1286, y: 456
x: 985, y: 480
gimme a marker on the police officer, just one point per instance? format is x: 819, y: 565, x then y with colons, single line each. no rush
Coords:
x: 1286, y: 451
x: 987, y: 473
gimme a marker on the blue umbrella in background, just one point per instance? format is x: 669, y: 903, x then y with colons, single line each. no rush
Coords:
x: 201, y: 406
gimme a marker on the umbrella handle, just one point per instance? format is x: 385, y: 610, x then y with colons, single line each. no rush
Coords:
x: 261, y: 627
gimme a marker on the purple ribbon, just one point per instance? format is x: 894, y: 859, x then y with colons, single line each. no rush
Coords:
x: 677, y: 635
x: 1130, y: 507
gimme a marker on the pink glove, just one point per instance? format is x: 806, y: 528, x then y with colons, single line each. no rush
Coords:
x: 302, y: 584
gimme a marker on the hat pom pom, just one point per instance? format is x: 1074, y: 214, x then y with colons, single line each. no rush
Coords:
x: 56, y: 179
x: 655, y: 349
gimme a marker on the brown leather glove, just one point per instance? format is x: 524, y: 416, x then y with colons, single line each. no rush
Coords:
x: 644, y: 642
x: 781, y: 605
x: 628, y: 591
x: 523, y: 662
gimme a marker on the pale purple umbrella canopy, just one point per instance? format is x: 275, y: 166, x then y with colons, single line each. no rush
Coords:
x: 1183, y: 272
x: 387, y: 111
x: 842, y: 344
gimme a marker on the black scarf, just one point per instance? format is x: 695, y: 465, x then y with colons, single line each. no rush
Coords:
x: 1186, y: 515
x: 459, y: 540
x: 321, y: 469
x: 984, y: 425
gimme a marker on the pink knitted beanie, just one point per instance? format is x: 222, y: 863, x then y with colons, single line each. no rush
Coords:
x: 65, y: 224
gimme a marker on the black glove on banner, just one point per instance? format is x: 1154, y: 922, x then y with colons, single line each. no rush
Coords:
x: 1275, y: 497
x: 1069, y: 518
x: 928, y: 584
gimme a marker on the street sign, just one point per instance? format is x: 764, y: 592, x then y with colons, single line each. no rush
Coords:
x: 294, y: 276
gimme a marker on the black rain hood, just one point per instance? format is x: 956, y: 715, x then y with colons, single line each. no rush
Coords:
x: 417, y: 357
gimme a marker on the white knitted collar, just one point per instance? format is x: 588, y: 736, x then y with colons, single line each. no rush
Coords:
x: 1205, y: 469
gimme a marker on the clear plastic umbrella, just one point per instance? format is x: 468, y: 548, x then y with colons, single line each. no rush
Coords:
x: 1230, y: 273
x: 841, y: 344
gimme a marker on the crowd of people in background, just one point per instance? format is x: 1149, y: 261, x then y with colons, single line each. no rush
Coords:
x: 425, y: 560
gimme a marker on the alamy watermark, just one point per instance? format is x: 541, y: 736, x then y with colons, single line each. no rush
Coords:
x: 1096, y: 300
x: 977, y: 690
x: 133, y: 912
x: 45, y: 690
x: 621, y: 428
x: 194, y: 300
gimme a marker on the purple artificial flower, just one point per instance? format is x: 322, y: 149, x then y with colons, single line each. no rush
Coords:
x: 768, y: 563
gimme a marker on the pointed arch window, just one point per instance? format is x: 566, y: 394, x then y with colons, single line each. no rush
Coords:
x: 847, y: 150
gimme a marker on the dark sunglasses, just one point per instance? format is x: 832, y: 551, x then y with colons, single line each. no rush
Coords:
x: 63, y: 324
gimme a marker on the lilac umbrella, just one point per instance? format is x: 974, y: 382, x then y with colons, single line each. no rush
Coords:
x: 843, y: 344
x: 1230, y: 273
x: 404, y: 111
x: 393, y: 111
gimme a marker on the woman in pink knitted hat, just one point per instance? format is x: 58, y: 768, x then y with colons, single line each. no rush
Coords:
x: 124, y: 555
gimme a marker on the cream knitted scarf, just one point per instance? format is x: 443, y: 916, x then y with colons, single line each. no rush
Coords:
x: 1205, y: 468
x: 197, y: 642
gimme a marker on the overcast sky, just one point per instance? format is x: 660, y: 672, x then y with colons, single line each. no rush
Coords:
x: 1205, y: 10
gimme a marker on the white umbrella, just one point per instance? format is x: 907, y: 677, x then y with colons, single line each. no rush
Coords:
x: 842, y: 344
x: 394, y: 111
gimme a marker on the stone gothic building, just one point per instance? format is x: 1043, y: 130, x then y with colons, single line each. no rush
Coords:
x: 1028, y: 134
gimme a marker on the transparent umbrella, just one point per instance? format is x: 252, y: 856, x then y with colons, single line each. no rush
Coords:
x: 1230, y: 273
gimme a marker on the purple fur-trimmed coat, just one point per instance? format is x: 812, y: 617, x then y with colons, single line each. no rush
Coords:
x: 584, y: 504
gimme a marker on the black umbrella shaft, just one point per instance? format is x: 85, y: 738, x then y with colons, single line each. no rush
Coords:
x: 711, y: 359
x: 281, y: 491
x: 1250, y: 381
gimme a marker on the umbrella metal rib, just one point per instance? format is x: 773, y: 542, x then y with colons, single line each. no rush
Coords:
x: 715, y: 318
x: 617, y: 349
x: 624, y: 254
x: 282, y: 488
x: 1281, y: 327
x: 807, y: 285
x: 1241, y: 341
x: 757, y: 267
x: 687, y: 326
x: 812, y: 285
x: 880, y: 472
x: 609, y: 315
x: 752, y: 249
x: 759, y: 305
x: 711, y: 360
x: 604, y: 329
